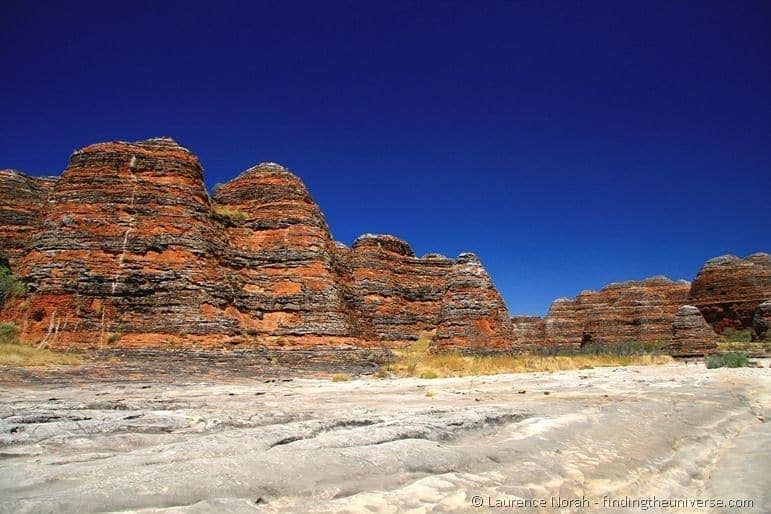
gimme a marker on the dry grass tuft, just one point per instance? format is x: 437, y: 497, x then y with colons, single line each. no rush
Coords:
x: 19, y: 355
x: 417, y: 361
x: 340, y: 377
x: 732, y: 346
x: 229, y: 216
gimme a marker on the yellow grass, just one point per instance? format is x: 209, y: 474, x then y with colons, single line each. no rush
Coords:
x: 19, y: 355
x: 230, y: 215
x: 340, y: 377
x: 416, y: 361
x: 730, y: 346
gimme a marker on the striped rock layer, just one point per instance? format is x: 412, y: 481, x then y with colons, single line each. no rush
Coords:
x: 127, y: 248
x: 23, y: 198
x: 641, y: 311
x: 728, y: 290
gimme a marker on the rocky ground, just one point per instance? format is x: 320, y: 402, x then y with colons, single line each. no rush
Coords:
x: 182, y: 440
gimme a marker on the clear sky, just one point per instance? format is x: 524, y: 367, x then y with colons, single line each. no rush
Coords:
x: 567, y: 143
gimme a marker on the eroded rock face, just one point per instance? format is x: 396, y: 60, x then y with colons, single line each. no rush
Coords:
x: 761, y: 322
x: 473, y: 316
x: 641, y: 311
x: 528, y: 331
x: 397, y: 294
x: 22, y: 198
x: 127, y: 245
x: 130, y: 250
x: 727, y: 289
x: 280, y: 256
x: 691, y: 335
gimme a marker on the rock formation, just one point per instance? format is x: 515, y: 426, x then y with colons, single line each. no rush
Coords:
x: 22, y: 198
x: 127, y: 245
x: 127, y: 248
x: 280, y: 257
x: 727, y: 290
x: 691, y: 335
x: 528, y: 331
x: 131, y: 251
x: 639, y: 311
x: 473, y: 316
x: 761, y: 322
x: 398, y: 295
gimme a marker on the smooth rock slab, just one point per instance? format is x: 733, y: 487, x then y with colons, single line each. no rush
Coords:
x: 382, y: 445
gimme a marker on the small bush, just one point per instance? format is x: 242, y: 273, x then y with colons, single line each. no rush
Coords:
x: 113, y: 338
x: 10, y: 287
x: 229, y: 216
x: 429, y: 374
x: 729, y: 360
x: 733, y: 335
x: 340, y: 377
x: 9, y: 333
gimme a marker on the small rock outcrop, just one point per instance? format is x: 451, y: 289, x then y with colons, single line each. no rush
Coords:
x: 761, y: 322
x: 727, y: 290
x: 691, y: 335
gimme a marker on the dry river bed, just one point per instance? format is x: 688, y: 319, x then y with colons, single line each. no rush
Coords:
x: 541, y: 442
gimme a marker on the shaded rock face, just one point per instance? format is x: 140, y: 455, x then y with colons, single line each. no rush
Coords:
x: 761, y: 322
x: 22, y: 198
x: 527, y: 331
x: 641, y: 311
x: 690, y: 333
x: 130, y: 250
x: 727, y: 290
x: 473, y: 315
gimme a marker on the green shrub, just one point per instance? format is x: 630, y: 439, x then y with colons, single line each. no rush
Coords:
x: 9, y: 333
x: 10, y: 286
x: 737, y: 336
x: 729, y: 360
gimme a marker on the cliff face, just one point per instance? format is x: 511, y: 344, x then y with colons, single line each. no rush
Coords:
x: 761, y: 322
x: 473, y: 315
x: 280, y: 257
x: 130, y: 250
x: 22, y: 198
x: 528, y: 331
x: 727, y: 289
x: 126, y: 248
x: 399, y: 295
x: 127, y: 245
x: 691, y: 335
x: 630, y: 311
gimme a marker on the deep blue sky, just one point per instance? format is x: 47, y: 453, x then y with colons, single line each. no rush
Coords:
x: 569, y: 144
